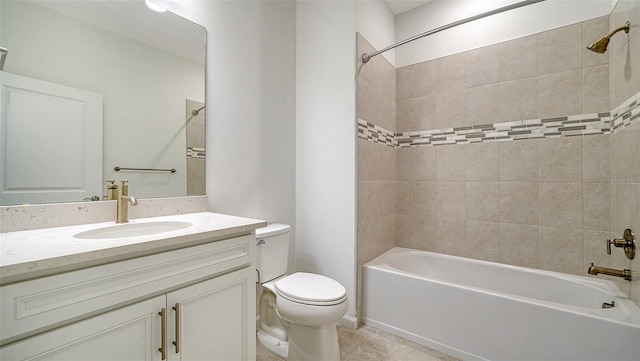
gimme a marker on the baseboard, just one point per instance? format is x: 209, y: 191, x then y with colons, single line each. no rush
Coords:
x: 349, y: 322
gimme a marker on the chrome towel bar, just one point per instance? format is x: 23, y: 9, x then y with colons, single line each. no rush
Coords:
x: 172, y: 170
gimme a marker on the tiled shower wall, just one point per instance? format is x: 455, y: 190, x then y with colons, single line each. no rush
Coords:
x: 376, y: 162
x: 538, y: 203
x: 625, y: 144
x: 547, y: 202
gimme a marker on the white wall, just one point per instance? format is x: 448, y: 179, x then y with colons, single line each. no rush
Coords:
x: 326, y: 142
x: 512, y: 24
x: 250, y: 114
x: 376, y: 23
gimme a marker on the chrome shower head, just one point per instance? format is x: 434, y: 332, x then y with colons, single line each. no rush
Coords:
x: 600, y: 46
x: 3, y: 55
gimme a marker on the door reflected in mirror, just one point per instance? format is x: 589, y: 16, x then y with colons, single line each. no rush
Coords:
x: 147, y: 69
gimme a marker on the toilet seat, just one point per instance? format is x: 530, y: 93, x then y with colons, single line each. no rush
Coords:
x: 311, y: 289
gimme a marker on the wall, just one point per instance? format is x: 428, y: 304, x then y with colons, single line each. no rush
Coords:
x: 250, y: 110
x: 376, y: 22
x: 624, y: 53
x: 325, y: 142
x: 68, y: 51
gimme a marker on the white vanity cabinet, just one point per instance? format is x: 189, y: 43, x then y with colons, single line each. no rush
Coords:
x: 194, y: 303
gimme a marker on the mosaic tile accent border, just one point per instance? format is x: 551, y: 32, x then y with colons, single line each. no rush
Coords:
x: 574, y: 125
x: 195, y: 152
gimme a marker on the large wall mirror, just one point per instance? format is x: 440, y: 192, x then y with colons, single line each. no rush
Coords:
x: 91, y: 85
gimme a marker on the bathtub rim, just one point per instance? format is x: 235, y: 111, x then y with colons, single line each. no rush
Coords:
x: 626, y: 311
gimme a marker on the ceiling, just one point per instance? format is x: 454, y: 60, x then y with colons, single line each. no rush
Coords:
x: 400, y: 6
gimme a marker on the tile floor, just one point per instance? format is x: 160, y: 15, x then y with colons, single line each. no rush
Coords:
x: 370, y: 344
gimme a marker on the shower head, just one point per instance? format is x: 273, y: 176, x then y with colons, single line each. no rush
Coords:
x: 3, y: 55
x: 600, y: 46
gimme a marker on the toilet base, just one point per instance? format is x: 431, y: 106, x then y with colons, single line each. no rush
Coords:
x: 307, y: 344
x: 273, y: 345
x: 313, y: 343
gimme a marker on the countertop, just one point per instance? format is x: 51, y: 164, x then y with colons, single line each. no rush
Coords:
x: 41, y: 252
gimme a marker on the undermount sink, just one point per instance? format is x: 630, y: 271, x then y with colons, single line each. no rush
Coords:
x: 133, y: 230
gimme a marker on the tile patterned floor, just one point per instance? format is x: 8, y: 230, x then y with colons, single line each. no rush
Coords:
x: 370, y: 344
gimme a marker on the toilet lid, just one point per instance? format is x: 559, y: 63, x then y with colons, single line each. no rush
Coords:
x: 311, y: 289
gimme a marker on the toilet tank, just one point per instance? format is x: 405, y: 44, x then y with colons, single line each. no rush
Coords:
x: 272, y: 251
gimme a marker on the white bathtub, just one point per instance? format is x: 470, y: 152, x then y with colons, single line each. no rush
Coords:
x: 477, y: 310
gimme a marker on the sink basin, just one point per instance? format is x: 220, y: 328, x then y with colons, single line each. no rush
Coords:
x: 133, y: 230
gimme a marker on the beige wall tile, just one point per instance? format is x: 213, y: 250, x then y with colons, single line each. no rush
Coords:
x: 519, y: 161
x: 416, y: 163
x: 562, y: 250
x: 482, y: 66
x: 483, y: 162
x: 450, y: 109
x: 363, y: 46
x: 384, y: 76
x: 448, y: 229
x: 633, y: 160
x: 375, y: 238
x: 592, y: 31
x: 560, y: 94
x: 422, y: 79
x: 625, y: 69
x: 450, y: 201
x: 595, y: 97
x: 560, y: 49
x: 418, y: 232
x: 483, y: 240
x: 422, y: 113
x: 560, y: 204
x: 364, y: 102
x: 518, y: 100
x: 620, y: 149
x: 597, y: 206
x: 450, y: 163
x: 376, y: 162
x: 483, y: 201
x: 519, y: 203
x: 416, y: 198
x: 622, y: 195
x: 403, y: 116
x: 595, y: 249
x: 450, y: 73
x: 519, y: 58
x: 560, y: 159
x: 403, y: 81
x: 388, y: 198
x: 596, y: 158
x: 519, y: 244
x: 483, y: 105
x: 370, y: 197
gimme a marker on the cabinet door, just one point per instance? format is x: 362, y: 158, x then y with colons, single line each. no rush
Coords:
x: 213, y: 320
x: 129, y: 333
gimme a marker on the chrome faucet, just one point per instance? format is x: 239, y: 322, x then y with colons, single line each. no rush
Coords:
x: 625, y: 273
x: 123, y: 199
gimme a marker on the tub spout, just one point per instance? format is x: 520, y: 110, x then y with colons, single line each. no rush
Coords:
x: 625, y: 273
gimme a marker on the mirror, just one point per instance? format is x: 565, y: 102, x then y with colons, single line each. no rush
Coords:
x: 140, y: 72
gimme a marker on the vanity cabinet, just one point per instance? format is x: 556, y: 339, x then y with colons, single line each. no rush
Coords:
x: 196, y: 303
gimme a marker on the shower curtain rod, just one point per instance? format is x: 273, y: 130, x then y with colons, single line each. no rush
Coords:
x: 367, y: 56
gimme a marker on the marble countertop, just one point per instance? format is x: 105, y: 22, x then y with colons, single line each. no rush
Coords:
x: 41, y: 252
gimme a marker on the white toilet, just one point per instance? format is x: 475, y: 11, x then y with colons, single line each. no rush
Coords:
x: 298, y: 313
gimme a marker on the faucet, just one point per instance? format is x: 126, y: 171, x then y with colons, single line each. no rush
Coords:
x: 123, y: 199
x: 625, y: 273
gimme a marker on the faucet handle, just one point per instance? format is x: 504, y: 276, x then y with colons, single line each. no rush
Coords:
x: 627, y: 243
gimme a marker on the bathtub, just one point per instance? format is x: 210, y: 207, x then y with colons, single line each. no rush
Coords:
x: 477, y: 310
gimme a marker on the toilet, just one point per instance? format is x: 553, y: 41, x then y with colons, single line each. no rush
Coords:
x: 298, y: 313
